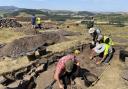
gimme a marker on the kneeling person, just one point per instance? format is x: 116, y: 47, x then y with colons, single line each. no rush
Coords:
x: 104, y: 51
x: 64, y: 65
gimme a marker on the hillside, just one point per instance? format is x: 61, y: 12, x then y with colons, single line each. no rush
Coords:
x: 27, y: 11
x: 14, y: 11
x: 8, y: 8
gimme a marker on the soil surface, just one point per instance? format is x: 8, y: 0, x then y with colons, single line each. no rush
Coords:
x: 112, y: 77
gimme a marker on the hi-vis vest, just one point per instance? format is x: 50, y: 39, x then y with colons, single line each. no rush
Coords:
x: 110, y: 42
x: 106, y: 51
x: 38, y: 20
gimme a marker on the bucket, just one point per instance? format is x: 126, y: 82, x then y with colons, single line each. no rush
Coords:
x: 31, y: 56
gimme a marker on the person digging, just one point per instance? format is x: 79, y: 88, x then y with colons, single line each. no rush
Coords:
x: 104, y: 51
x: 65, y: 68
x: 95, y: 33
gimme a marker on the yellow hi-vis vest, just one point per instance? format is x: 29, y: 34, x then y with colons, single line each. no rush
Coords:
x: 38, y: 20
x: 106, y: 51
x: 110, y: 42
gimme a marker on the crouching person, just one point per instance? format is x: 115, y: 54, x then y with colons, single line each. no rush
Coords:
x: 95, y: 33
x: 66, y: 66
x: 103, y: 51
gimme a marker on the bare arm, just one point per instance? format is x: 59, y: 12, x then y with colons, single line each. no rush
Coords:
x: 56, y: 77
x: 102, y: 59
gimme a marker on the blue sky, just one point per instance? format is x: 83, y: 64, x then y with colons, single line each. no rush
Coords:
x: 76, y: 5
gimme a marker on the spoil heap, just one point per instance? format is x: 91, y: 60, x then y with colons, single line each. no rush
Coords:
x: 9, y: 23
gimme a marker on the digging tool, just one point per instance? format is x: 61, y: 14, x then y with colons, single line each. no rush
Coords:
x: 51, y: 85
x: 100, y: 75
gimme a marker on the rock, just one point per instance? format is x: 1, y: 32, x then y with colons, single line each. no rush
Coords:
x: 2, y: 79
x: 14, y: 84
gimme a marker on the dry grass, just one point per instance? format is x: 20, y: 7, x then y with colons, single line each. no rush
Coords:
x: 7, y: 35
x: 9, y: 65
x: 116, y: 33
x: 110, y: 29
x: 75, y: 41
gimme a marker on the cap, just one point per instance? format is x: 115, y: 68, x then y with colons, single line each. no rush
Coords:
x: 69, y: 65
x: 91, y: 30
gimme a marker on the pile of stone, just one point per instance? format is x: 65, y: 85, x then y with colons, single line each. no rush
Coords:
x: 4, y: 22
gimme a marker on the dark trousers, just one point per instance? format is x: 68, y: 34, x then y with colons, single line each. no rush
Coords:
x: 39, y: 26
x: 108, y: 57
x: 67, y: 77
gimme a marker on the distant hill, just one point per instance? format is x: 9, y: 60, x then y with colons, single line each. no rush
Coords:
x: 60, y: 15
x: 86, y: 13
x: 28, y: 12
x: 8, y: 8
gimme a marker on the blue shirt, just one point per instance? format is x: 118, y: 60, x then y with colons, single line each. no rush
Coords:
x: 33, y: 20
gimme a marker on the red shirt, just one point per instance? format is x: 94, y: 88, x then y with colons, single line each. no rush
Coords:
x: 60, y: 68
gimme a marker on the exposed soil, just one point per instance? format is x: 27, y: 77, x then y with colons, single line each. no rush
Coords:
x: 112, y: 77
x: 47, y: 77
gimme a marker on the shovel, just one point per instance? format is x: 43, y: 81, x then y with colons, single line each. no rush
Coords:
x: 51, y: 85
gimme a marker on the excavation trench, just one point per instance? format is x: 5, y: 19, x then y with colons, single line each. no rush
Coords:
x: 89, y: 73
x: 24, y: 77
x: 39, y: 73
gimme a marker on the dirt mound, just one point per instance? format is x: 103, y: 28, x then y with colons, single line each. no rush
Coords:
x: 26, y: 44
x: 9, y: 23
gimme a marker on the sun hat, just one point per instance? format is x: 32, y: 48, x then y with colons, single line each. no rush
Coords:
x: 91, y: 30
x: 99, y: 48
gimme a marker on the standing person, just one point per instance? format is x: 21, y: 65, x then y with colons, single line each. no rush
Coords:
x: 66, y: 65
x: 38, y: 22
x: 33, y: 21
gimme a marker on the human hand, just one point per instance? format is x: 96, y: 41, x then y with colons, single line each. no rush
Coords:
x: 99, y: 62
x: 61, y: 86
x: 91, y: 58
